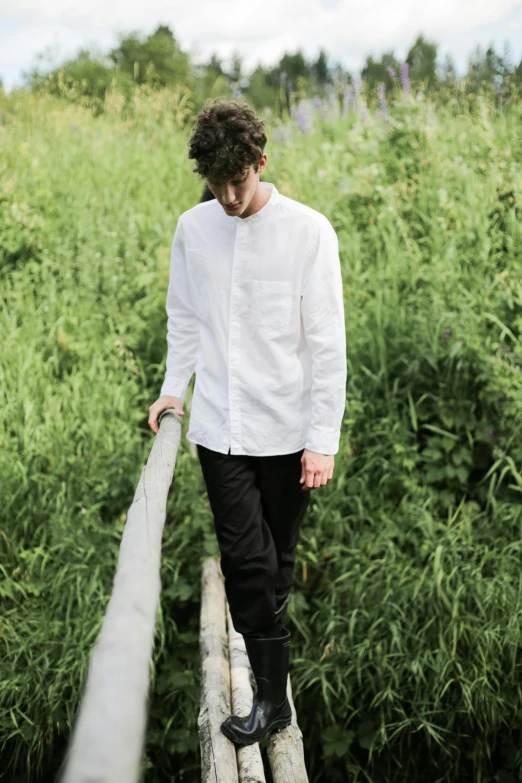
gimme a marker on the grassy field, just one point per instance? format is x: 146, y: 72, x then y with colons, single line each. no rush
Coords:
x: 407, y: 612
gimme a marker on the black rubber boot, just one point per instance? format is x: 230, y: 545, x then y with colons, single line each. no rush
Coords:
x: 269, y: 659
x: 279, y: 612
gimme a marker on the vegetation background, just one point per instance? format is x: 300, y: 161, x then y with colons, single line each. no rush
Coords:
x: 406, y: 615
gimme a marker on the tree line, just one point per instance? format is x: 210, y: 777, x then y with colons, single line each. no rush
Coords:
x: 159, y: 61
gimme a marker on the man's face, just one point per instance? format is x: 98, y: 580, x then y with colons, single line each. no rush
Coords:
x: 236, y: 194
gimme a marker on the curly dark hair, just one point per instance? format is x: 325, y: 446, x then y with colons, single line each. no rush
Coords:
x: 226, y: 140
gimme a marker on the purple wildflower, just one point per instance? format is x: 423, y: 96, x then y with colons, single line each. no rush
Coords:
x: 405, y: 79
x: 349, y: 99
x: 303, y: 117
x: 328, y: 107
x: 447, y: 333
x: 357, y: 88
x: 392, y: 72
x: 381, y: 92
x: 360, y: 106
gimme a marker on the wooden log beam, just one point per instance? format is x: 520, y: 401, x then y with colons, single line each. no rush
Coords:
x: 285, y: 747
x: 285, y: 750
x: 218, y: 754
x: 249, y: 761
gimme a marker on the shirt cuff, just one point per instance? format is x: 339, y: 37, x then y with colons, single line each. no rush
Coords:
x: 175, y: 387
x: 323, y: 440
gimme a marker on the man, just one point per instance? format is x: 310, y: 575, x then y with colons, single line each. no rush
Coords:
x: 255, y: 309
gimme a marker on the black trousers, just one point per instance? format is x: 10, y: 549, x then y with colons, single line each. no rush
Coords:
x: 258, y: 506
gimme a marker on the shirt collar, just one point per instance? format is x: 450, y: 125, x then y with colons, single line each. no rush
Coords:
x: 265, y: 209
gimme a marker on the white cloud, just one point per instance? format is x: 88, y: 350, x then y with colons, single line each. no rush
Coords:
x: 348, y: 31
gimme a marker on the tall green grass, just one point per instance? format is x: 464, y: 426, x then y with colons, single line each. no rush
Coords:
x: 407, y: 610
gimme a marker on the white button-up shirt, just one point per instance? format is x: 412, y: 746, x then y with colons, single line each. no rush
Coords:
x: 255, y: 309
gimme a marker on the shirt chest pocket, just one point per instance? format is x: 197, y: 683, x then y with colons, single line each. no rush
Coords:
x: 272, y: 303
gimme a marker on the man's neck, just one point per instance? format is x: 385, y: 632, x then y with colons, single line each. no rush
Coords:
x: 259, y: 199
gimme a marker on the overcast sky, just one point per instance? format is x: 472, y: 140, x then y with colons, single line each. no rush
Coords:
x: 348, y: 30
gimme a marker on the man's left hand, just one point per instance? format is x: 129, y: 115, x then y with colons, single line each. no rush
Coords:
x: 316, y: 469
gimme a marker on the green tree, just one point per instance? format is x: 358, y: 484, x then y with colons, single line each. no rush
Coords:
x: 376, y: 71
x: 215, y: 65
x: 485, y: 68
x: 158, y: 58
x: 319, y: 70
x: 448, y: 72
x: 422, y: 61
x: 85, y: 76
x: 235, y: 76
x: 518, y: 73
x: 507, y: 60
x: 294, y: 65
x: 260, y: 91
x: 235, y: 73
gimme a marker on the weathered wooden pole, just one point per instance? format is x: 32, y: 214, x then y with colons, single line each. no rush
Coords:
x: 218, y: 754
x: 249, y: 761
x: 285, y: 750
x: 107, y: 741
x: 285, y: 747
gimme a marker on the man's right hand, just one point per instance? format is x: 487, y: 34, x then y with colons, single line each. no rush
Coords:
x: 160, y: 405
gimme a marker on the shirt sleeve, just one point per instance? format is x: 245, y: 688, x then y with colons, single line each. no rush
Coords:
x: 182, y: 324
x: 322, y: 309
